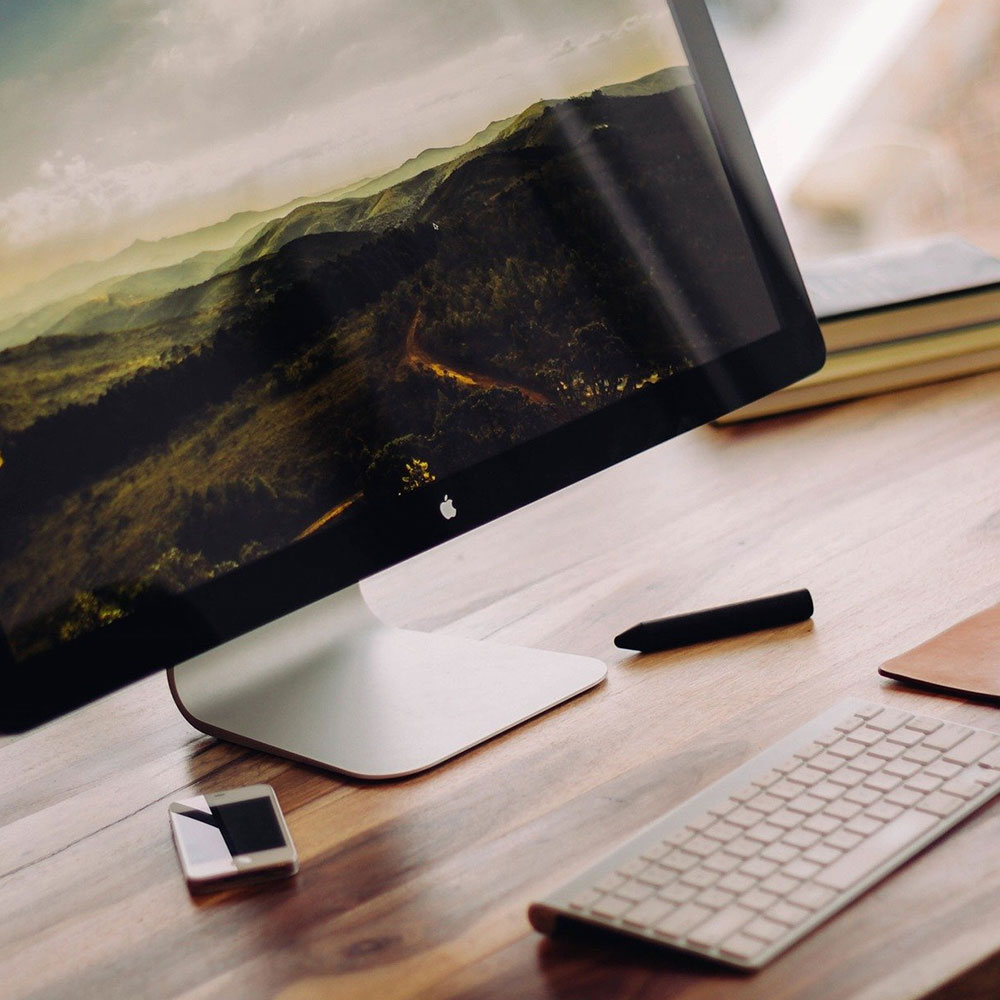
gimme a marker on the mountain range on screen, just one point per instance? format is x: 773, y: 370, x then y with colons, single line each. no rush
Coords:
x: 192, y: 404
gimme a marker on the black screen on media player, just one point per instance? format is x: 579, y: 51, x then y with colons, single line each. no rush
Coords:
x: 253, y: 278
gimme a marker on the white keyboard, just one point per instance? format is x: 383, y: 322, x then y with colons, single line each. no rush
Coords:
x: 742, y: 870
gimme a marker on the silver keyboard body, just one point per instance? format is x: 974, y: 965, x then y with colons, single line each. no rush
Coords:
x: 744, y: 869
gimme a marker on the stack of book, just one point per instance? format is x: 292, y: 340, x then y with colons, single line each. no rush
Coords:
x: 896, y: 319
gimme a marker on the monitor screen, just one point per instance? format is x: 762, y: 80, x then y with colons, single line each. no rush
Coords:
x: 290, y: 293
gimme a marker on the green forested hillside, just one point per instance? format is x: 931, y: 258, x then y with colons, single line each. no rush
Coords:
x: 573, y: 259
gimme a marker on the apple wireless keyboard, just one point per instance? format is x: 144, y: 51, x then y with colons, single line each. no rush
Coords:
x: 744, y: 869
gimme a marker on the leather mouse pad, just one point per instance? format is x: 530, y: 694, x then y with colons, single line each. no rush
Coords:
x: 964, y: 658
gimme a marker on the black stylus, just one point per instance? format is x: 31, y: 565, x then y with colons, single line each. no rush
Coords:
x: 718, y: 623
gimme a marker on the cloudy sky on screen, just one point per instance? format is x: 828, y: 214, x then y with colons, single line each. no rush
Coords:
x: 126, y: 119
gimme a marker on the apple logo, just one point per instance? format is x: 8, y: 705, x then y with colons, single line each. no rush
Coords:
x: 448, y: 508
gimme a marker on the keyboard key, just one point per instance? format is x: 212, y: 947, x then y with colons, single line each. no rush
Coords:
x: 805, y: 804
x: 864, y: 826
x: 922, y: 782
x: 725, y: 923
x: 636, y: 892
x: 677, y: 892
x: 647, y: 914
x: 677, y: 837
x: 806, y: 775
x: 878, y: 848
x: 828, y: 738
x: 780, y: 853
x: 905, y: 797
x: 868, y: 711
x: 656, y: 876
x: 767, y: 778
x: 943, y: 770
x: 801, y: 838
x: 800, y: 869
x: 822, y: 854
x: 764, y: 803
x: 862, y: 795
x: 905, y: 737
x: 766, y: 930
x: 722, y: 862
x: 700, y: 823
x: 700, y: 878
x: 609, y: 882
x: 884, y: 811
x: 923, y: 725
x: 867, y: 763
x: 758, y: 899
x: 786, y: 819
x: 742, y: 947
x: 843, y: 840
x: 743, y: 848
x: 811, y: 896
x: 886, y: 750
x: 723, y: 832
x: 764, y: 832
x: 826, y: 762
x: 779, y: 884
x: 921, y: 755
x: 882, y: 782
x: 714, y: 898
x: 939, y: 804
x: 846, y: 750
x: 787, y: 913
x: 702, y: 846
x: 847, y: 777
x: 946, y: 737
x: 758, y: 868
x: 611, y: 907
x: 821, y: 824
x: 723, y: 808
x: 679, y: 860
x: 827, y: 791
x: 842, y: 810
x: 682, y: 920
x: 784, y: 789
x: 745, y: 816
x: 655, y: 852
x: 902, y: 768
x: 585, y: 900
x: 889, y: 719
x: 849, y: 724
x: 736, y: 883
x: 631, y: 868
x: 963, y: 787
x: 991, y: 760
x: 865, y: 736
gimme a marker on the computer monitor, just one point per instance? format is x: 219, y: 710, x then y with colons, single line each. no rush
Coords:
x: 290, y: 294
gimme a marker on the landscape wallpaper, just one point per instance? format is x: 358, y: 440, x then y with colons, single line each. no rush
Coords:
x: 261, y: 261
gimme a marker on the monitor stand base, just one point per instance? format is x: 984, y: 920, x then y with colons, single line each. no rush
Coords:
x: 332, y: 685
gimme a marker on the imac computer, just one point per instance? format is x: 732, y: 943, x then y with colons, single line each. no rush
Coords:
x: 289, y: 294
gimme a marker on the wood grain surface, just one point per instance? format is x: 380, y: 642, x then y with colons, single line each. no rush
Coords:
x: 888, y: 509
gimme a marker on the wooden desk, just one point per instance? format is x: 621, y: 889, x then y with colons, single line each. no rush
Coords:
x: 888, y: 509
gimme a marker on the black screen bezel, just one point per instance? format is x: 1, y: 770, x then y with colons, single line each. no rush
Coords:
x: 174, y: 629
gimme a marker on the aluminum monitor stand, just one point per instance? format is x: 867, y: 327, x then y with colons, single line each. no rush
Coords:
x: 332, y: 685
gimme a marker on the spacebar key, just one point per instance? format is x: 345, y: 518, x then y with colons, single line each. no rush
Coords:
x: 876, y: 850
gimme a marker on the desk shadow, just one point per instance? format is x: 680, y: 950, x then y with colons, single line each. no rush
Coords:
x: 583, y: 961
